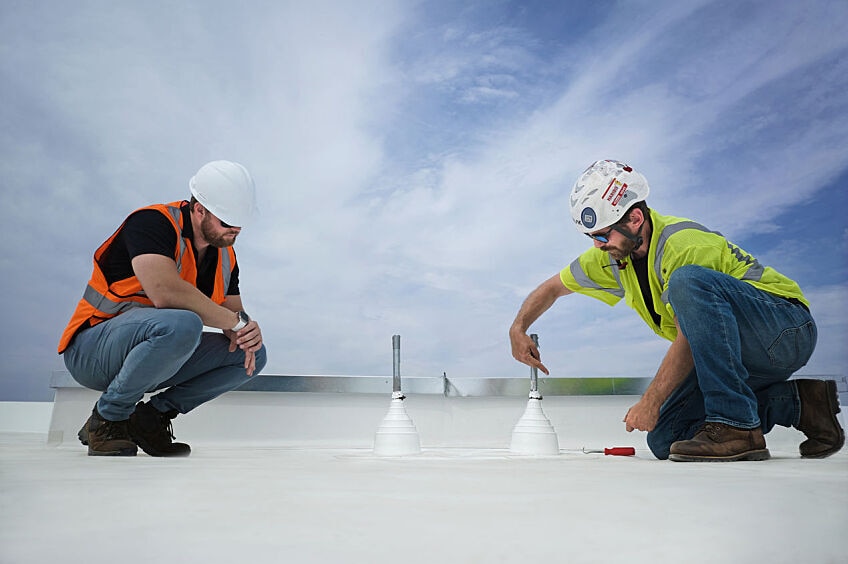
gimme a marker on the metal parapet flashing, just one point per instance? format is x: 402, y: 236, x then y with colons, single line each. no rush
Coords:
x: 473, y: 387
x: 443, y: 385
x: 343, y: 384
x: 449, y: 387
x: 438, y: 385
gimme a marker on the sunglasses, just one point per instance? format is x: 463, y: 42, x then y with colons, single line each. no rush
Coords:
x: 226, y: 225
x: 602, y: 237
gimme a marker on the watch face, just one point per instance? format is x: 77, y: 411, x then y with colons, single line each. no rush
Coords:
x: 244, y: 317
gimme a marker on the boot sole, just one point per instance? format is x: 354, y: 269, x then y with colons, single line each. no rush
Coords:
x: 122, y: 452
x: 833, y: 450
x: 751, y: 455
x: 153, y: 452
x: 833, y: 403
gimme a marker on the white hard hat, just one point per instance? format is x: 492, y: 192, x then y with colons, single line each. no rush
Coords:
x: 603, y: 193
x: 226, y: 189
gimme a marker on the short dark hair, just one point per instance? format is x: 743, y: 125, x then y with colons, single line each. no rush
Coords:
x: 638, y: 205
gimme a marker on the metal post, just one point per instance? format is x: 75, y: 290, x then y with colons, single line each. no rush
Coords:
x: 534, y: 373
x: 396, y: 368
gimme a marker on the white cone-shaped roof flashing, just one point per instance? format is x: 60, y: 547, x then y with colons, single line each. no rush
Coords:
x: 534, y: 434
x: 397, y: 435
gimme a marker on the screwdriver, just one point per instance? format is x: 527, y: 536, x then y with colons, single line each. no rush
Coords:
x: 614, y: 451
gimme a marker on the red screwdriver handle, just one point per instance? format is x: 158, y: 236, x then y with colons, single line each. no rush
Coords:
x: 620, y: 451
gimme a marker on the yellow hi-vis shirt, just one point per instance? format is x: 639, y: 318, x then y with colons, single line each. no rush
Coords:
x: 675, y: 242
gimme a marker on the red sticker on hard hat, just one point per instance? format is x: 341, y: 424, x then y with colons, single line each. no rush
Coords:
x: 620, y: 194
x: 615, y: 191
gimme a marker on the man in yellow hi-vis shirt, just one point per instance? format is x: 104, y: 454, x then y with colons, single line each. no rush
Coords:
x: 738, y: 329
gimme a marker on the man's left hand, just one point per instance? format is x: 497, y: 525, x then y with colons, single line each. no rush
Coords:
x: 643, y: 416
x: 248, y: 339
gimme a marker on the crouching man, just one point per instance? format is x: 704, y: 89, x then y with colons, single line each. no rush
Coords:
x: 168, y: 271
x: 738, y: 329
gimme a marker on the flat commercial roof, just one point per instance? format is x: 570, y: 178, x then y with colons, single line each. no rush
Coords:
x: 242, y: 501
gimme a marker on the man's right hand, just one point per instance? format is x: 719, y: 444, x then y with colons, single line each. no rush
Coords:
x: 525, y: 350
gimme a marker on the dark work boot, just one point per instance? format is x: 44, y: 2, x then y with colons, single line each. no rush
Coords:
x: 106, y: 438
x: 819, y: 406
x: 718, y: 442
x: 152, y: 431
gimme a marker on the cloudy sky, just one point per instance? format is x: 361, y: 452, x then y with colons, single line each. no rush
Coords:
x: 413, y: 161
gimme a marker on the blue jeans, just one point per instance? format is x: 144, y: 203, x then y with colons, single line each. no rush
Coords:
x: 148, y: 349
x: 746, y: 343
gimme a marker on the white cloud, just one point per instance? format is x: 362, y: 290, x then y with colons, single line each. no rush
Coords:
x: 412, y: 174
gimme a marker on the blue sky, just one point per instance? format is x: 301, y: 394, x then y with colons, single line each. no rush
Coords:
x: 413, y: 161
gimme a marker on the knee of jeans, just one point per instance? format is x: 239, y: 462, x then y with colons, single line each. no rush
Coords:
x: 183, y: 328
x: 659, y: 445
x: 685, y: 276
x: 682, y: 281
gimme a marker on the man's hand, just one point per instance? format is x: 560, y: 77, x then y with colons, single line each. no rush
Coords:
x: 525, y: 350
x: 674, y: 369
x: 248, y: 339
x: 643, y: 416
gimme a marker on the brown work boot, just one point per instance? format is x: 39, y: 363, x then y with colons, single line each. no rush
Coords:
x: 106, y: 438
x: 819, y: 406
x: 152, y: 431
x: 718, y: 442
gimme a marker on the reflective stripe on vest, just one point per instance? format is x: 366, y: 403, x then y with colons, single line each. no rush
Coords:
x: 754, y: 272
x: 111, y: 308
x: 581, y: 278
x: 176, y: 213
x: 226, y: 267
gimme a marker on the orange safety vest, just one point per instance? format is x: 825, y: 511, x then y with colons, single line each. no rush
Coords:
x: 102, y: 301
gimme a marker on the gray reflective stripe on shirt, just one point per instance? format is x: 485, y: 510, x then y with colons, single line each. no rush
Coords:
x: 754, y: 272
x: 581, y: 278
x: 614, y: 268
x: 107, y: 306
x: 176, y: 213
x: 226, y: 269
x: 755, y: 269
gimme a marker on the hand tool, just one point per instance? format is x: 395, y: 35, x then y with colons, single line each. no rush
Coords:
x: 614, y: 451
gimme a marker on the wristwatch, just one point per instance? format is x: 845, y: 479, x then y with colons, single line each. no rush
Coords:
x: 244, y: 319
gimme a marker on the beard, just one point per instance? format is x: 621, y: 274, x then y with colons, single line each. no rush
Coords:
x: 620, y: 252
x: 218, y: 241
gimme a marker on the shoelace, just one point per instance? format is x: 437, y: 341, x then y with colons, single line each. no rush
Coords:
x: 115, y: 429
x: 167, y: 426
x: 711, y: 429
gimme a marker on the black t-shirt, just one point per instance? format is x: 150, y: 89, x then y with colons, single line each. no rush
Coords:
x: 150, y: 232
x: 640, y: 266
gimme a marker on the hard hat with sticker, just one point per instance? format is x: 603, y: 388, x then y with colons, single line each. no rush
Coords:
x: 603, y: 194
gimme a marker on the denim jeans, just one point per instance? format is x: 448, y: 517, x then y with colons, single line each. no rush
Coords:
x: 148, y: 349
x: 746, y: 343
